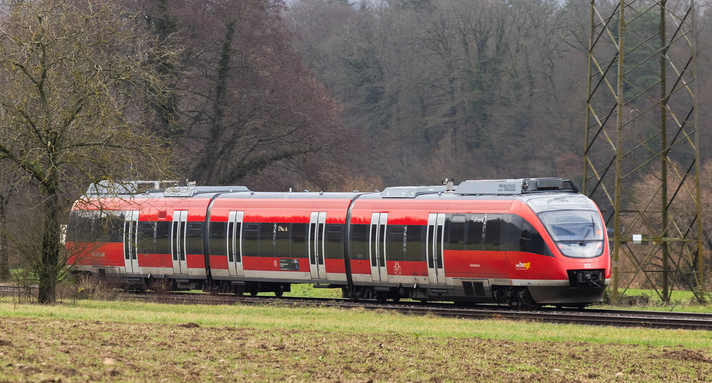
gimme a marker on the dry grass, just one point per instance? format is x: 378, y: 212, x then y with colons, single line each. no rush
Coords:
x: 130, y: 341
x: 34, y: 349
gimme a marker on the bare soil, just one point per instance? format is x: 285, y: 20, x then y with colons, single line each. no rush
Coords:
x: 61, y: 350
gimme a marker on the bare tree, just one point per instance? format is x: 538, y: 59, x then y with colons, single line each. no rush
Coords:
x: 75, y: 75
x: 247, y: 103
x: 6, y: 192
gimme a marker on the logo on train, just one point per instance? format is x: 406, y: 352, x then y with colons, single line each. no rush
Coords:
x: 523, y: 266
x: 397, y: 269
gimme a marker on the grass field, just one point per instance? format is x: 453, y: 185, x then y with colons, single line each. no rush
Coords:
x: 132, y: 341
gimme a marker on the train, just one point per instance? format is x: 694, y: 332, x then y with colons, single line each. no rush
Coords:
x: 518, y: 242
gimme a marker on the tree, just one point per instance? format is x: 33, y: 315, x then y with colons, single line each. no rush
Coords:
x: 5, y: 194
x: 447, y: 88
x: 247, y: 103
x: 75, y: 76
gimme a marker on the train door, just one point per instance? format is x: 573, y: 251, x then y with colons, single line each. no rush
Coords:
x: 434, y: 247
x: 234, y: 243
x: 131, y: 241
x: 377, y: 241
x: 178, y: 239
x: 317, y: 226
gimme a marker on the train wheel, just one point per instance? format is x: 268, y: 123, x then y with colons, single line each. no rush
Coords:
x: 278, y: 293
x: 254, y: 289
x: 381, y: 296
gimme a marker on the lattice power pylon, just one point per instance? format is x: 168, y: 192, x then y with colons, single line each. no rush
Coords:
x: 642, y: 158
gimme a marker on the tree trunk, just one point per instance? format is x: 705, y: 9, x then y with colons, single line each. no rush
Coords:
x: 49, y: 257
x: 4, y: 256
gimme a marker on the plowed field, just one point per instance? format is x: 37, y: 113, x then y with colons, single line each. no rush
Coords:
x: 34, y: 349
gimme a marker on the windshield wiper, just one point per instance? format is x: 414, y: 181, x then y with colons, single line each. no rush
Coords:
x: 582, y: 242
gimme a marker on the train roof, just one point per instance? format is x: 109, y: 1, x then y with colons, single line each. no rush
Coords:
x: 504, y: 189
x: 108, y: 188
x: 508, y: 188
x: 292, y: 195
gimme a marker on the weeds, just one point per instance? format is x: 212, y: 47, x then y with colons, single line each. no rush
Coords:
x: 646, y: 299
x: 69, y: 350
x: 88, y: 287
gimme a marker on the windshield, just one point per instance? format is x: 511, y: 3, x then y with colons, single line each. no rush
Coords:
x: 577, y: 233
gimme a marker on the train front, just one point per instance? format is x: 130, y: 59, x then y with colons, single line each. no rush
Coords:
x: 578, y: 240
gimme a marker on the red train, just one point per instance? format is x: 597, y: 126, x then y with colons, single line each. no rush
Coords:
x: 519, y: 242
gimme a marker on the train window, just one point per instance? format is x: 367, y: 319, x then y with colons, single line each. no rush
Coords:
x: 251, y: 240
x: 299, y: 242
x: 396, y: 242
x: 475, y: 231
x: 268, y: 233
x: 373, y: 244
x: 234, y: 241
x: 493, y: 231
x: 146, y: 234
x: 381, y: 243
x: 415, y: 245
x: 531, y: 241
x: 163, y: 241
x: 217, y: 243
x: 195, y: 238
x: 359, y: 241
x: 109, y: 228
x: 320, y: 235
x: 334, y: 242
x: 438, y: 246
x: 510, y: 233
x: 456, y: 233
x: 281, y: 246
x: 431, y: 238
x: 79, y: 229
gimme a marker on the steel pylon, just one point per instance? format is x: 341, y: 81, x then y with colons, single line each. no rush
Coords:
x: 641, y: 157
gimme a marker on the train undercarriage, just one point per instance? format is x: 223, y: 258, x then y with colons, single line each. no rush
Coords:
x: 575, y: 295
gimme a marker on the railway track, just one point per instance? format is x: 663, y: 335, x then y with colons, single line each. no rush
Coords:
x: 592, y: 316
x: 620, y: 318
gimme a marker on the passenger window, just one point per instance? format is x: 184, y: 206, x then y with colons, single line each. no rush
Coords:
x: 217, y: 244
x: 396, y: 242
x: 475, y: 229
x: 80, y: 223
x: 146, y: 232
x: 109, y: 228
x: 493, y: 231
x: 251, y: 241
x: 334, y: 243
x: 163, y: 241
x: 268, y: 237
x: 299, y: 231
x: 415, y: 245
x: 531, y: 241
x: 282, y: 240
x: 457, y: 233
x: 195, y: 238
x: 512, y: 224
x: 359, y: 242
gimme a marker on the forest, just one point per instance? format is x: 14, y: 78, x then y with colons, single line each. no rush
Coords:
x: 332, y: 95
